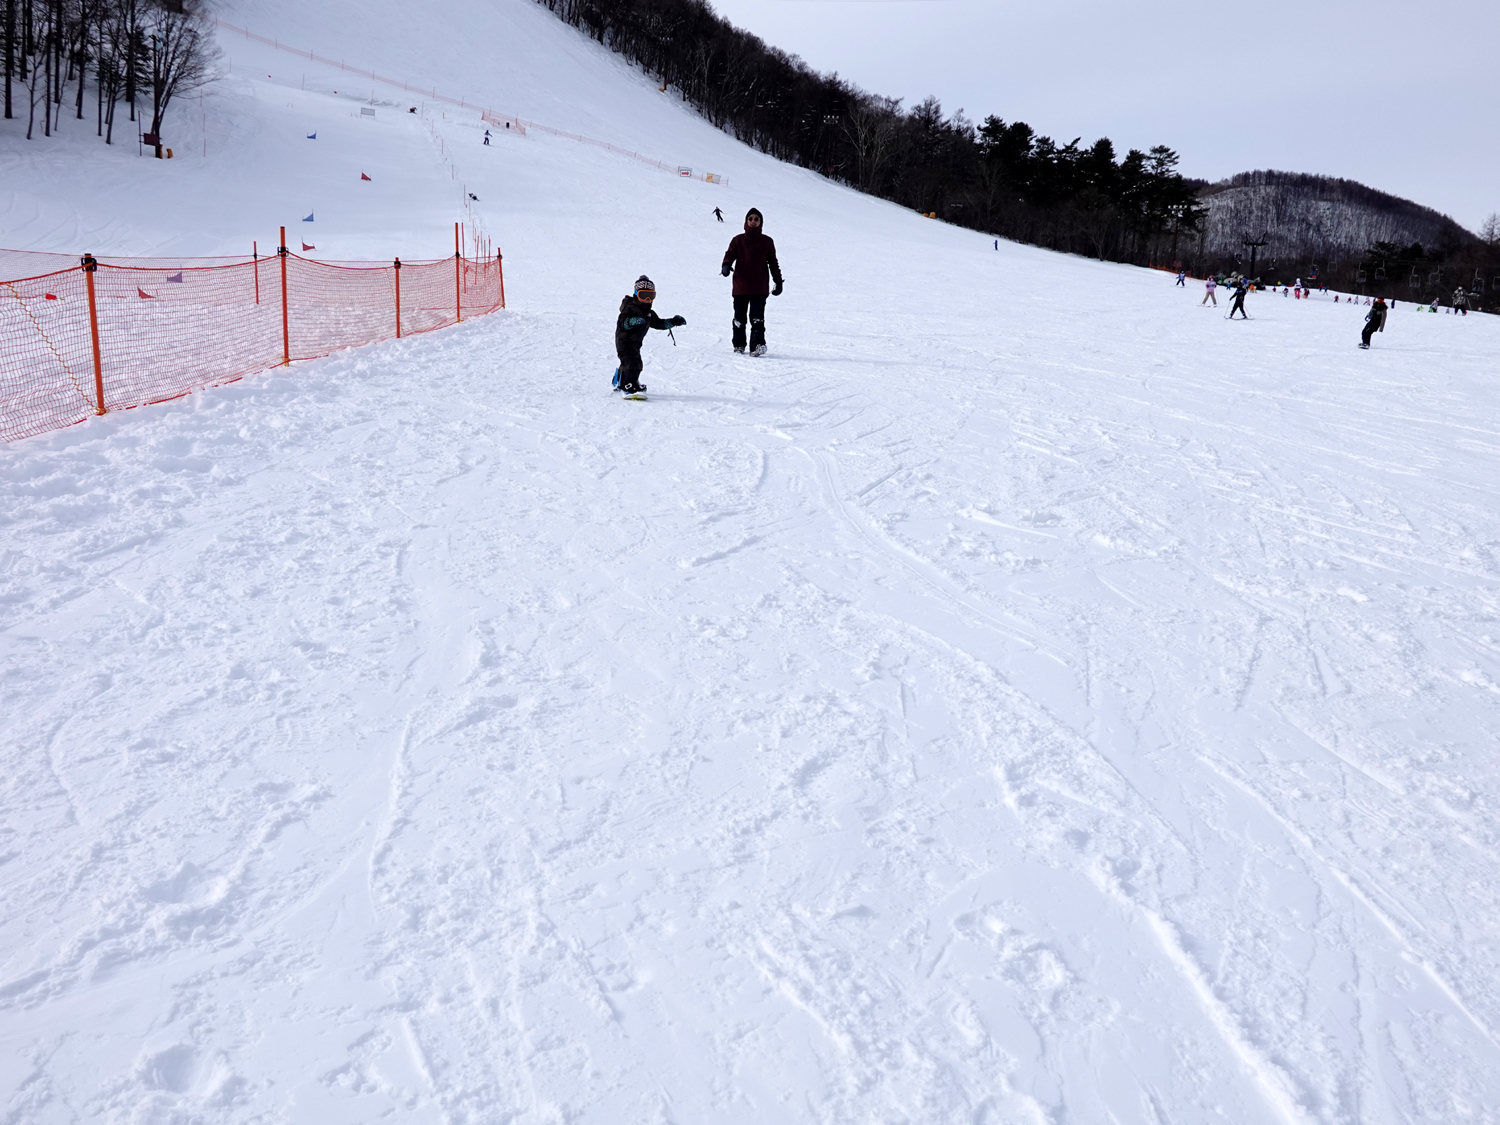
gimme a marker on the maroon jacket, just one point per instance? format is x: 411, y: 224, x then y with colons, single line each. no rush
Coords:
x: 752, y: 256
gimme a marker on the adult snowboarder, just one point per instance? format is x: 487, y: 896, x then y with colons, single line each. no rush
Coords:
x: 1241, y: 287
x: 751, y: 257
x: 636, y: 316
x: 1374, y: 322
x: 718, y: 214
x: 1210, y: 287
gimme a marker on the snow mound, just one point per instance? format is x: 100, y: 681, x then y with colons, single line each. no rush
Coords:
x: 1022, y: 696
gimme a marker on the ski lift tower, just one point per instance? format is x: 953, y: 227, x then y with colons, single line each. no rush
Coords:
x: 1255, y: 244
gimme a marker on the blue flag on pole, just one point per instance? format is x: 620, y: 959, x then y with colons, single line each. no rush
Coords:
x: 312, y: 136
x: 308, y: 217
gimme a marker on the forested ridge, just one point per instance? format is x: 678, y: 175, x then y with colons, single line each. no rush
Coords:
x: 1003, y: 178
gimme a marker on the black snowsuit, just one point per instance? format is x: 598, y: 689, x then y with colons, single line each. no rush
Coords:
x: 1239, y: 302
x: 1374, y: 322
x: 630, y: 330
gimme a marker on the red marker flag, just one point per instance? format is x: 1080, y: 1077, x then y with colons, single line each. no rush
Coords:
x: 50, y: 296
x: 144, y: 295
x: 363, y: 176
x: 308, y: 246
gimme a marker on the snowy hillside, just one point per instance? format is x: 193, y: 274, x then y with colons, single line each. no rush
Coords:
x: 1021, y: 697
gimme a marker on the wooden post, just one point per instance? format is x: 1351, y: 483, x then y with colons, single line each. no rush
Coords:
x: 286, y: 338
x: 458, y: 280
x: 500, y: 265
x: 90, y: 264
x: 398, y: 298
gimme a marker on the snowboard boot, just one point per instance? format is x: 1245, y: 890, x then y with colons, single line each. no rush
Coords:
x: 758, y: 350
x: 739, y: 350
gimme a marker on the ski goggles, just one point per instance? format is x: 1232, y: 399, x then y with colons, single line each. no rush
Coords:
x: 647, y: 295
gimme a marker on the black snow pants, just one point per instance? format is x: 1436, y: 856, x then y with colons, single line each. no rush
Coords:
x: 755, y: 308
x: 630, y: 366
x: 1238, y: 307
x: 1370, y: 330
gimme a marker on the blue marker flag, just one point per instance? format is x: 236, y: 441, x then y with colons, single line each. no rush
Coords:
x: 312, y: 136
x: 308, y: 217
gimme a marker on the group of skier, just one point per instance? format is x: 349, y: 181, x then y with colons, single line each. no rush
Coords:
x: 750, y: 260
x: 1374, y: 319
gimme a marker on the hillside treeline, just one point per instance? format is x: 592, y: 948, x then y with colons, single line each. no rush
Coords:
x: 1319, y: 215
x: 997, y: 177
x: 87, y: 58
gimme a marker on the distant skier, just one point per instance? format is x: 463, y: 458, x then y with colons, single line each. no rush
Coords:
x: 1182, y: 278
x: 636, y: 316
x: 486, y: 136
x: 1460, y: 301
x: 718, y: 214
x: 751, y: 257
x: 1241, y: 287
x: 1210, y: 286
x: 1374, y: 322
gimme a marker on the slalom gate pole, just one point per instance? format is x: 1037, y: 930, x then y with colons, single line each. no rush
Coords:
x: 286, y: 339
x: 255, y: 258
x: 458, y: 280
x: 398, y: 298
x: 90, y: 264
x: 500, y: 265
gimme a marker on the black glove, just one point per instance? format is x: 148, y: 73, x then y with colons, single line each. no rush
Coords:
x: 777, y: 291
x: 727, y: 270
x: 677, y: 321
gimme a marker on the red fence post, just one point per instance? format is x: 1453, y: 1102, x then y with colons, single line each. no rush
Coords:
x: 500, y: 265
x: 89, y: 266
x: 398, y: 298
x: 458, y: 280
x: 286, y: 339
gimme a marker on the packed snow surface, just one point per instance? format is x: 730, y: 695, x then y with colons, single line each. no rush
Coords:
x: 1022, y: 696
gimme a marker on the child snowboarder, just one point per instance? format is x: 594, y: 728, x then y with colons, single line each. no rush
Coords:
x: 636, y: 316
x: 1374, y: 322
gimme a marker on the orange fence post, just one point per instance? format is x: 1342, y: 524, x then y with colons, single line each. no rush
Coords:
x: 286, y: 339
x: 89, y: 266
x: 398, y: 298
x: 458, y: 280
x: 500, y: 265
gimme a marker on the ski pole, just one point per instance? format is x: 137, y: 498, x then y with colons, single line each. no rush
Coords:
x: 674, y: 338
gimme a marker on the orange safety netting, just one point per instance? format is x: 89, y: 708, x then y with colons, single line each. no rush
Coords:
x: 157, y: 329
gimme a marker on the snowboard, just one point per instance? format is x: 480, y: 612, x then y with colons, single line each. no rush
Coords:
x: 638, y: 396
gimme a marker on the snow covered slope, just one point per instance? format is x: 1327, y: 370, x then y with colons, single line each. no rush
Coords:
x: 1023, y: 696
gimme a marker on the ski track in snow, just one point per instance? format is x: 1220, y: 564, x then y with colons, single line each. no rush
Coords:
x: 1021, y: 697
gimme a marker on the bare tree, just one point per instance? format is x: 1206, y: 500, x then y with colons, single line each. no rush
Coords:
x: 181, y: 58
x: 873, y: 128
x: 1489, y: 230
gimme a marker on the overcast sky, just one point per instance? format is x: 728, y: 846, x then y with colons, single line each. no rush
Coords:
x: 1402, y: 96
